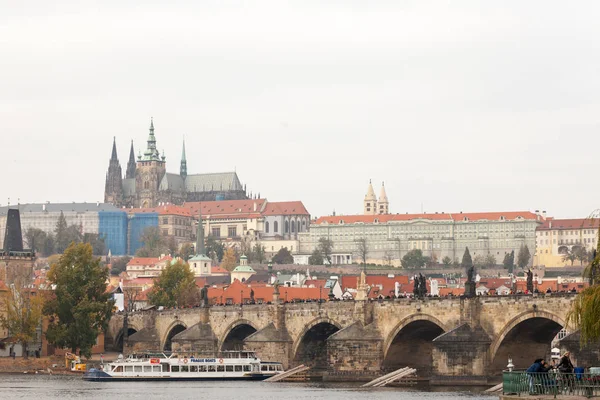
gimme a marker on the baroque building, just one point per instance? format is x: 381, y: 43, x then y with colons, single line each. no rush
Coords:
x: 147, y: 183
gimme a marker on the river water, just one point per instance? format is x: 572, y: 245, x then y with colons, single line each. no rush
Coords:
x: 73, y: 387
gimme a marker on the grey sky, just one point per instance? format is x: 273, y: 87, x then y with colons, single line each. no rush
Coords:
x: 459, y: 106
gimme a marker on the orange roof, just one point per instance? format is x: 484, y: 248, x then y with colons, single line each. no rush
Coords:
x: 233, y: 293
x: 225, y: 207
x: 167, y: 209
x: 218, y: 270
x: 143, y: 261
x: 559, y: 224
x: 495, y: 283
x: 3, y: 286
x: 451, y: 291
x: 384, y: 218
x: 388, y: 283
x: 285, y: 208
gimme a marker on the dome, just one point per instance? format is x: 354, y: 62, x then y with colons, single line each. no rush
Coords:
x: 244, y: 268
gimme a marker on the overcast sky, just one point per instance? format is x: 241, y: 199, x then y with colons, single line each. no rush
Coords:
x: 456, y: 105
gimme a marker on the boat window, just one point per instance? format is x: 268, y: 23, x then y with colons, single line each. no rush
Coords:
x: 279, y: 367
x: 212, y: 368
x: 137, y: 368
x: 264, y: 367
x: 220, y: 368
x: 202, y: 368
x: 193, y: 368
x: 157, y: 368
x: 129, y: 368
x: 147, y: 368
x: 184, y: 368
x: 174, y: 368
x: 238, y: 368
x: 247, y: 368
x: 229, y: 368
x: 118, y: 369
x: 272, y: 368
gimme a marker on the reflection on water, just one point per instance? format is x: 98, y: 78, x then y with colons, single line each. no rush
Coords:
x: 48, y: 387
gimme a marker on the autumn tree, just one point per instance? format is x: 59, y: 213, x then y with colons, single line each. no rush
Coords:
x: 229, y: 260
x: 21, y: 312
x: 325, y: 247
x: 175, y: 286
x: 283, y: 256
x: 186, y: 251
x: 154, y: 243
x: 81, y: 307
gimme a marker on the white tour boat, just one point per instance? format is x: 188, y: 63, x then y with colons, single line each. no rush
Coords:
x: 227, y: 365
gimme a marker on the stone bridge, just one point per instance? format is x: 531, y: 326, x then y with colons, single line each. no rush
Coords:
x: 449, y: 340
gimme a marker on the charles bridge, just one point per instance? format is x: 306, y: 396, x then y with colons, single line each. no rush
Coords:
x: 448, y: 340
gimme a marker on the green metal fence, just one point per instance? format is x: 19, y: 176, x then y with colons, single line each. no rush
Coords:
x: 550, y: 383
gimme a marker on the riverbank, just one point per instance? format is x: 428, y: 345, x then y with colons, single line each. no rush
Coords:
x: 43, y: 365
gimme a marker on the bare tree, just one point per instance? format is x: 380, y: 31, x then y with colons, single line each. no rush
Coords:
x: 362, y: 251
x: 388, y: 257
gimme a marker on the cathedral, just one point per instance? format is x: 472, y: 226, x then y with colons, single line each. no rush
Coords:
x: 147, y: 182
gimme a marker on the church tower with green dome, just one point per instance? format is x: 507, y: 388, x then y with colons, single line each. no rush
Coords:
x: 150, y: 169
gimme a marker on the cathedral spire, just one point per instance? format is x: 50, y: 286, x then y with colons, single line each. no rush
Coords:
x: 151, y: 153
x: 114, y: 149
x: 383, y: 203
x: 370, y: 202
x: 183, y: 167
x: 130, y: 172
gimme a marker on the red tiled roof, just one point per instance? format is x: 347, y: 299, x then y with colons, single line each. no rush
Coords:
x: 218, y: 270
x: 315, y: 282
x: 225, y: 207
x: 451, y: 291
x: 143, y: 261
x: 384, y: 218
x: 285, y: 208
x: 559, y: 224
x: 3, y: 286
x: 167, y: 209
x: 262, y: 292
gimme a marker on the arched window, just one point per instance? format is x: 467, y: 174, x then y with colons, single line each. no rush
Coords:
x: 287, y: 227
x: 267, y: 227
x: 146, y: 185
x: 275, y: 227
x: 298, y: 226
x: 293, y: 227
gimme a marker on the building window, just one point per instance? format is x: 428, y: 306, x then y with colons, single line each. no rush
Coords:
x: 298, y: 226
x: 293, y: 227
x: 275, y: 227
x: 165, y: 232
x: 287, y: 227
x: 216, y: 232
x: 165, y: 220
x: 267, y: 227
x: 232, y: 231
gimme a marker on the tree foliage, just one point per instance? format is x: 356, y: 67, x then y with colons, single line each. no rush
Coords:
x: 154, y: 243
x: 119, y: 265
x: 21, y: 313
x: 467, y: 261
x: 523, y: 257
x: 186, y: 251
x: 316, y: 258
x: 80, y: 308
x: 61, y: 237
x: 97, y: 243
x: 214, y: 249
x: 325, y: 247
x: 509, y: 261
x: 175, y: 286
x: 569, y: 256
x: 414, y: 259
x: 258, y: 253
x: 283, y: 256
x: 446, y: 261
x: 230, y: 260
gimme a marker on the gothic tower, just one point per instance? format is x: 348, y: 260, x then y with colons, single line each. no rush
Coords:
x: 149, y: 172
x: 183, y: 167
x: 130, y: 173
x: 370, y: 202
x: 383, y: 203
x: 113, y: 189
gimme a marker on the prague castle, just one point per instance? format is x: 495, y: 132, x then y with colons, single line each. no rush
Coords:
x: 148, y: 184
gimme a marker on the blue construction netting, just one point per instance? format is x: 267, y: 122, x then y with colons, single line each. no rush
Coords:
x: 137, y: 223
x: 112, y: 226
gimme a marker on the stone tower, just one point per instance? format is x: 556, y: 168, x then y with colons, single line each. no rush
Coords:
x: 130, y: 173
x: 383, y: 204
x: 183, y: 167
x: 370, y: 202
x: 150, y: 169
x: 113, y: 189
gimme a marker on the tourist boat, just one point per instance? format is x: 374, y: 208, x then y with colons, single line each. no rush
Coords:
x: 227, y: 365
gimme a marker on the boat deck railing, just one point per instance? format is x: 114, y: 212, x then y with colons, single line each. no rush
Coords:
x: 551, y: 383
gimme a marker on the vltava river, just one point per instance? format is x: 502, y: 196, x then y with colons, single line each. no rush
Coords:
x: 72, y: 387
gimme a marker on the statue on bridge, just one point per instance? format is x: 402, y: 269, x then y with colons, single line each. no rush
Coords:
x: 420, y: 286
x: 470, y: 283
x: 204, y: 297
x: 416, y: 289
x: 252, y: 296
x: 529, y: 281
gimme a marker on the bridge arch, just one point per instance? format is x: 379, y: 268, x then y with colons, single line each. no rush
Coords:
x: 174, y: 328
x: 410, y: 343
x: 119, y: 338
x: 524, y: 338
x: 310, y: 347
x: 235, y: 333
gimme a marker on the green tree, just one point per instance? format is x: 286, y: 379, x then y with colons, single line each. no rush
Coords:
x: 230, y: 260
x: 316, y: 258
x: 119, y: 265
x: 414, y: 259
x: 186, y: 251
x: 509, y: 261
x: 97, y: 243
x: 467, y: 262
x: 258, y: 253
x: 446, y: 261
x: 36, y: 239
x: 80, y: 308
x: 154, y: 243
x: 214, y: 249
x: 580, y: 253
x: 523, y: 257
x: 325, y: 247
x: 283, y: 256
x: 175, y: 286
x: 569, y: 256
x: 21, y: 313
x: 490, y: 260
x: 61, y: 235
x: 49, y: 245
